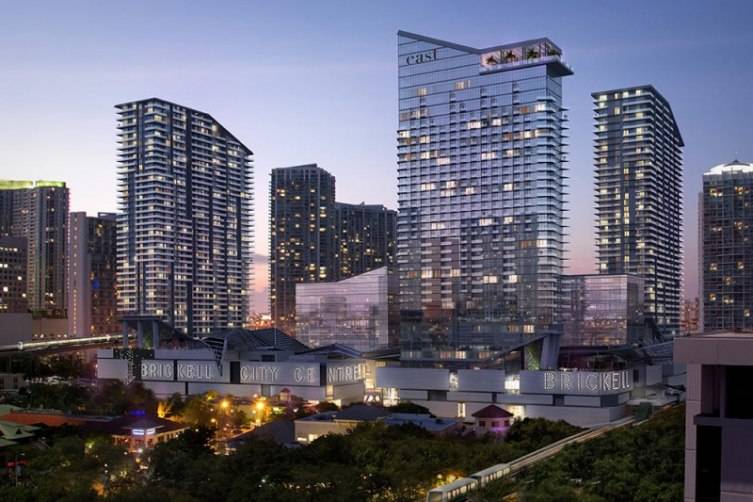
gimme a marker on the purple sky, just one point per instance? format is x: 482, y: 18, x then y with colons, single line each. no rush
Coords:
x: 316, y: 82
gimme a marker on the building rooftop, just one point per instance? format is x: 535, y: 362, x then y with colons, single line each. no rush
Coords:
x: 730, y: 167
x: 492, y: 411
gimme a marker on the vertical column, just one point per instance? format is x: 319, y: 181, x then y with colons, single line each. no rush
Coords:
x: 155, y: 334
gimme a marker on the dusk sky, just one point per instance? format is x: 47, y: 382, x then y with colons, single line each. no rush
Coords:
x: 302, y: 82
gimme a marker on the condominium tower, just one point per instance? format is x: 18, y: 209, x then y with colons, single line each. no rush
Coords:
x: 727, y: 247
x: 38, y: 212
x: 313, y: 238
x: 13, y: 276
x: 185, y: 225
x: 481, y: 189
x: 92, y: 301
x: 639, y: 196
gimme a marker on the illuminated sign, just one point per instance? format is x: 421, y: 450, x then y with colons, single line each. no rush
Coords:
x: 421, y: 57
x: 350, y: 372
x: 576, y: 382
x: 280, y: 373
x: 198, y: 371
x: 157, y: 370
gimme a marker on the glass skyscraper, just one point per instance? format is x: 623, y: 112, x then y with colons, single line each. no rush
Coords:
x: 185, y: 224
x: 639, y: 196
x: 481, y: 189
x: 727, y: 247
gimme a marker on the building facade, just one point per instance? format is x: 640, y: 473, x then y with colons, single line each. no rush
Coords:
x: 301, y: 236
x: 365, y: 235
x: 719, y: 416
x: 92, y: 251
x: 481, y: 188
x: 313, y: 238
x: 360, y: 312
x: 690, y: 320
x: 38, y: 211
x: 602, y: 310
x: 185, y: 226
x: 727, y: 254
x: 13, y: 276
x: 639, y: 196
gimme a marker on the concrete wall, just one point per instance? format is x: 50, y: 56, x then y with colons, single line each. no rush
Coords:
x: 413, y: 378
x: 481, y: 380
x: 15, y: 328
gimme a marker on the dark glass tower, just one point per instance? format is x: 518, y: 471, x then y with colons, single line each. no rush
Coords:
x: 365, y: 236
x: 727, y: 247
x: 38, y: 212
x: 185, y: 225
x: 92, y: 251
x: 301, y: 235
x: 481, y: 191
x: 13, y: 275
x: 315, y: 239
x: 639, y: 196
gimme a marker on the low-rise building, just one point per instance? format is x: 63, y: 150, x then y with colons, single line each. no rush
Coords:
x: 492, y: 420
x: 308, y: 429
x: 242, y: 363
x: 581, y: 397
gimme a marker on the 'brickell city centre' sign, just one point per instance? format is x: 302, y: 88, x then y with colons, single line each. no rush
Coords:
x: 253, y: 372
x: 576, y: 382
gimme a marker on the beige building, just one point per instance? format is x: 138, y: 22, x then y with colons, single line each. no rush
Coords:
x: 719, y: 416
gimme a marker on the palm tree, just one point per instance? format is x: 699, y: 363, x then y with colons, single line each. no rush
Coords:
x: 510, y: 57
x: 531, y: 53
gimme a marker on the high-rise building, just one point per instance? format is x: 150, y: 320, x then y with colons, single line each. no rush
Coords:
x: 13, y: 275
x: 185, y: 227
x: 365, y: 235
x: 639, y: 196
x: 481, y: 189
x: 301, y: 235
x: 359, y: 312
x: 727, y: 253
x: 92, y: 251
x: 38, y: 212
x: 313, y: 238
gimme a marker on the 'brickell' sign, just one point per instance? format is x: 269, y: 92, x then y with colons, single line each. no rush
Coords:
x: 576, y: 382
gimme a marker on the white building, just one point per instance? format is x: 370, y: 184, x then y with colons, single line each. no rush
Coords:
x: 185, y: 222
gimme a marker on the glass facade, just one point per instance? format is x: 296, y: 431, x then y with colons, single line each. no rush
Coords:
x: 727, y: 247
x: 602, y: 310
x: 481, y: 187
x: 185, y: 227
x: 359, y: 312
x: 315, y: 239
x: 637, y: 151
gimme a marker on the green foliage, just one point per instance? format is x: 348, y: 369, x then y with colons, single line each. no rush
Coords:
x: 375, y: 462
x: 633, y: 464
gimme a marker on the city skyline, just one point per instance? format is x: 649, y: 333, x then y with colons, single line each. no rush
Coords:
x: 315, y: 130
